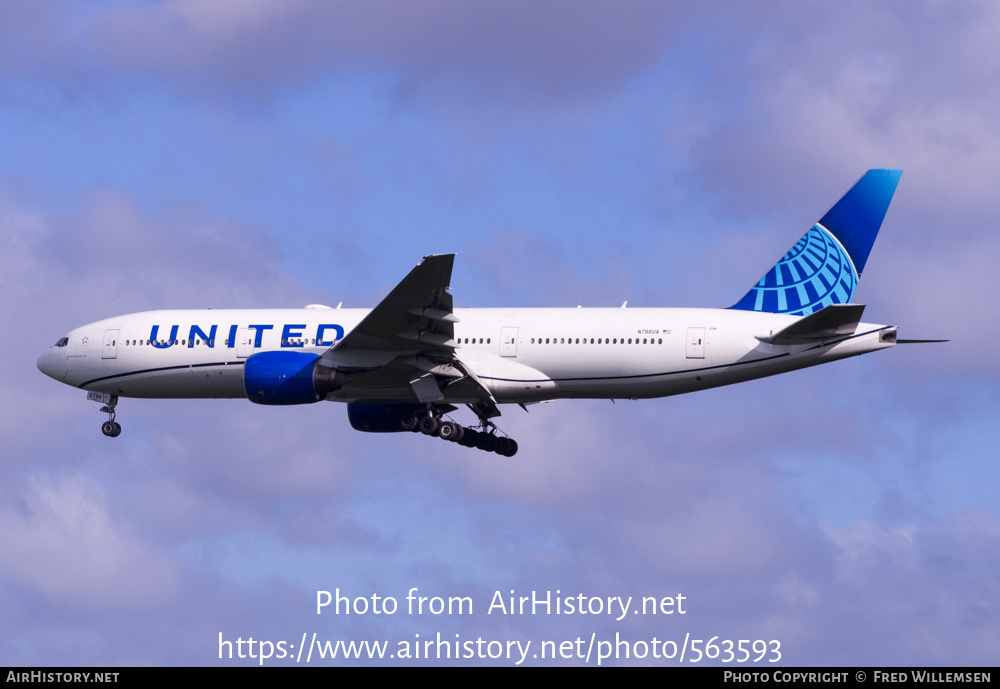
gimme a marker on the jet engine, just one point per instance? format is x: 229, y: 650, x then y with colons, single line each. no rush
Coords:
x: 375, y: 417
x: 290, y: 378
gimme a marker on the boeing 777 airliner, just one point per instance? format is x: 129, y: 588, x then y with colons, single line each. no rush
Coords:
x: 413, y: 359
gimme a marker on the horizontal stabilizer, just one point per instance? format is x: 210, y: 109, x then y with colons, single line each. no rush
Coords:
x: 836, y: 320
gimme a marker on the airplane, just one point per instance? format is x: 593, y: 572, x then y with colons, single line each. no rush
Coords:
x: 414, y: 358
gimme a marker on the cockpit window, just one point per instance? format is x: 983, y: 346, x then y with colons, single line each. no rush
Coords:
x: 63, y: 342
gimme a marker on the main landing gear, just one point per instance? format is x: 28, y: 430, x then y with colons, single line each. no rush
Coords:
x: 111, y: 428
x: 485, y: 439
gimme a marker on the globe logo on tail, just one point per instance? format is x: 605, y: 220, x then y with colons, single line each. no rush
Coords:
x: 816, y: 272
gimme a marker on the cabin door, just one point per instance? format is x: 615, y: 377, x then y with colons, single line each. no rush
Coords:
x: 696, y: 343
x: 244, y: 342
x: 508, y: 341
x: 110, y: 348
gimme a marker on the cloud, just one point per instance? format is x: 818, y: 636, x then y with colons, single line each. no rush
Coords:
x: 66, y: 545
x: 934, y: 577
x: 876, y: 86
x: 108, y: 257
x: 543, y: 51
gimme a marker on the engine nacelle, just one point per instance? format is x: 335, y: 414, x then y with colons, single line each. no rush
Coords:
x: 289, y: 378
x: 280, y: 378
x: 376, y: 417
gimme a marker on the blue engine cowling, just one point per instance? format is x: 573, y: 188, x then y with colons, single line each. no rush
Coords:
x: 376, y: 417
x: 281, y: 378
x: 290, y: 378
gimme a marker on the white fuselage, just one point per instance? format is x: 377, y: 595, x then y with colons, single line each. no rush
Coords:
x: 520, y: 355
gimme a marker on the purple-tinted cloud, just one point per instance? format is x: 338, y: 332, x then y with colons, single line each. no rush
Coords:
x: 523, y: 49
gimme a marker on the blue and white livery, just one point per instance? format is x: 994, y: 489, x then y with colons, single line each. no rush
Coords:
x: 414, y: 358
x: 824, y: 267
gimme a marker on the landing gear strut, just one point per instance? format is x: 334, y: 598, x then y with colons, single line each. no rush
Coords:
x: 485, y: 438
x: 111, y: 428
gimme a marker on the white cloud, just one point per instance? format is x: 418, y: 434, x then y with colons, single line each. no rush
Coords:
x: 66, y: 544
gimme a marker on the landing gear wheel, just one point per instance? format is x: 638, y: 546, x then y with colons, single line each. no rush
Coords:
x: 486, y: 442
x: 429, y: 425
x: 504, y: 447
x: 110, y: 427
x: 469, y: 437
x: 410, y: 423
x: 450, y: 431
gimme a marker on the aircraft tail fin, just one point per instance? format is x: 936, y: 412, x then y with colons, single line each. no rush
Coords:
x: 824, y: 266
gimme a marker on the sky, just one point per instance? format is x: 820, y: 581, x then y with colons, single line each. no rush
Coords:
x: 277, y: 153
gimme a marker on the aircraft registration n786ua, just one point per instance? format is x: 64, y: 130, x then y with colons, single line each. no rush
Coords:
x: 413, y: 359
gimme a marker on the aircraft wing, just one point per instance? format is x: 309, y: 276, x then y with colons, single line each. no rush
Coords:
x: 836, y: 320
x: 415, y: 317
x: 407, y: 341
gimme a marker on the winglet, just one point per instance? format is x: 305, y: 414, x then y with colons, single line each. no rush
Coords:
x: 824, y: 266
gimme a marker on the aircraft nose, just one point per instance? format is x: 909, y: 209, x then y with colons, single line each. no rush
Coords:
x: 44, y: 363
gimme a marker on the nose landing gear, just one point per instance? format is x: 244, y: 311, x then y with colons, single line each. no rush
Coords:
x: 110, y: 428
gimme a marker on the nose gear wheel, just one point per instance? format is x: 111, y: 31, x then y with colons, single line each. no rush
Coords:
x: 111, y: 428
